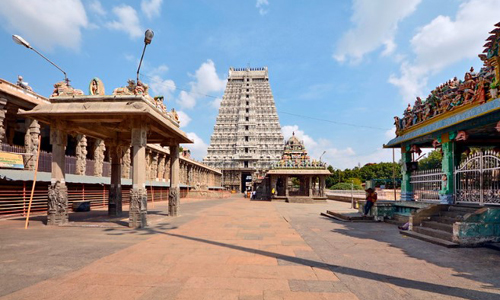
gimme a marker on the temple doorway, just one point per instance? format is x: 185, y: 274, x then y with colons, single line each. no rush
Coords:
x: 246, y: 181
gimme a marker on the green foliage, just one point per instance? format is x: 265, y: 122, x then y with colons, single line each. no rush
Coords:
x: 345, y: 186
x: 367, y: 172
x: 432, y: 161
x: 356, y: 181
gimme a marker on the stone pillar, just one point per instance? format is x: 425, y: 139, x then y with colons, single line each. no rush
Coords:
x: 3, y: 112
x: 322, y: 186
x: 446, y: 194
x: 286, y: 186
x: 115, y: 188
x: 154, y: 166
x: 126, y: 163
x: 57, y: 210
x: 138, y: 193
x: 161, y: 167
x: 99, y: 149
x: 406, y: 187
x: 31, y: 139
x: 81, y: 154
x: 310, y: 183
x: 174, y: 191
x: 167, y: 168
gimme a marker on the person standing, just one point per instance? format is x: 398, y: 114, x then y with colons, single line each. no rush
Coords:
x: 371, y: 198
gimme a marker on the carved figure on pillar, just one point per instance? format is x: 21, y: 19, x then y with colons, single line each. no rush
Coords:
x: 154, y: 166
x: 57, y: 210
x: 126, y: 163
x: 138, y: 208
x: 161, y: 167
x: 3, y: 110
x: 81, y: 154
x: 174, y: 192
x: 99, y: 149
x: 31, y: 142
x: 173, y: 201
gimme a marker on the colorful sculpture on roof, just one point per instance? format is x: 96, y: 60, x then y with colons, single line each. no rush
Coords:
x: 64, y: 89
x: 295, y: 156
x: 143, y: 89
x: 474, y: 89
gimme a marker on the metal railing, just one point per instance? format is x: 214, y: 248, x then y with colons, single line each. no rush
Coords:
x: 426, y: 184
x: 14, y: 200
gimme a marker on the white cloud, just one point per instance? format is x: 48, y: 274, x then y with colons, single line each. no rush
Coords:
x: 183, y: 118
x: 390, y: 134
x: 128, y: 21
x: 375, y: 25
x: 206, y: 81
x: 445, y: 41
x: 262, y: 5
x: 44, y: 25
x: 151, y: 8
x: 216, y: 103
x: 158, y: 85
x: 338, y: 158
x: 198, y: 148
x: 97, y: 8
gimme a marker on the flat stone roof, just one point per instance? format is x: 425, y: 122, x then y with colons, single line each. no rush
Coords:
x: 110, y: 117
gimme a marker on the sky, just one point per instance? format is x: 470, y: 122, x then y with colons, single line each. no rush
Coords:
x: 339, y: 70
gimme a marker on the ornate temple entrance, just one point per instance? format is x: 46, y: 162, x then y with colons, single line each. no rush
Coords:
x: 477, y: 179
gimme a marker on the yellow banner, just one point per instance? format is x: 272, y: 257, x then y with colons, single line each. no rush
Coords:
x: 11, y: 160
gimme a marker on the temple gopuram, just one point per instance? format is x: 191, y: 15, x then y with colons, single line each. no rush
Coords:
x: 294, y: 178
x: 458, y: 203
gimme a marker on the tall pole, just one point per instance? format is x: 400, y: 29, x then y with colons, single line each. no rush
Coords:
x: 394, y: 173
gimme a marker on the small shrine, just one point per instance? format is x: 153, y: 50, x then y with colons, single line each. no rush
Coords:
x: 129, y: 118
x: 294, y: 178
x: 460, y: 119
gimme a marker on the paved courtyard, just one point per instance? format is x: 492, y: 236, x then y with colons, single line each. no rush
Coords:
x: 238, y: 249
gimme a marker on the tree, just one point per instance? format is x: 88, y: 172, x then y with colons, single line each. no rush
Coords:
x: 432, y: 161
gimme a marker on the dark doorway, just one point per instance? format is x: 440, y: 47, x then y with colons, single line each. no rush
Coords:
x: 245, y: 177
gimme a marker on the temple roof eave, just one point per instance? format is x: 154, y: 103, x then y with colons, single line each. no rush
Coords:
x: 96, y: 116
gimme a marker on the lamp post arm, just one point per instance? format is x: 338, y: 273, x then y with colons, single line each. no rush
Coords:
x: 65, y: 76
x: 140, y: 62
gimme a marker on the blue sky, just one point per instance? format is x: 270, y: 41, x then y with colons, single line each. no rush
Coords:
x: 358, y: 62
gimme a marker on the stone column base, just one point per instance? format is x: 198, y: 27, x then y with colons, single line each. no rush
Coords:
x: 57, y: 210
x: 138, y: 208
x: 173, y: 201
x: 446, y: 199
x: 407, y: 196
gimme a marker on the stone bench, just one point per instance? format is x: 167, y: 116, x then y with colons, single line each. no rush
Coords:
x: 81, y: 206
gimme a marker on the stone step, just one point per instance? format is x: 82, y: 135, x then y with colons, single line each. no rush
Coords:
x: 464, y: 209
x: 347, y: 217
x: 458, y: 215
x: 299, y: 200
x: 429, y: 239
x: 442, y: 219
x: 440, y: 234
x: 439, y: 226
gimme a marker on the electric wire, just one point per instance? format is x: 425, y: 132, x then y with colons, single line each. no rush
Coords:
x: 279, y: 111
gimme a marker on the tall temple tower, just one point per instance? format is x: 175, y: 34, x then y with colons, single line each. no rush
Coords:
x: 247, y: 136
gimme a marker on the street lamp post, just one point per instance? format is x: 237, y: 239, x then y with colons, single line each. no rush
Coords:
x: 148, y: 37
x: 20, y: 41
x: 321, y: 156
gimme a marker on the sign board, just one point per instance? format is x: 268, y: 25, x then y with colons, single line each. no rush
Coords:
x: 11, y: 160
